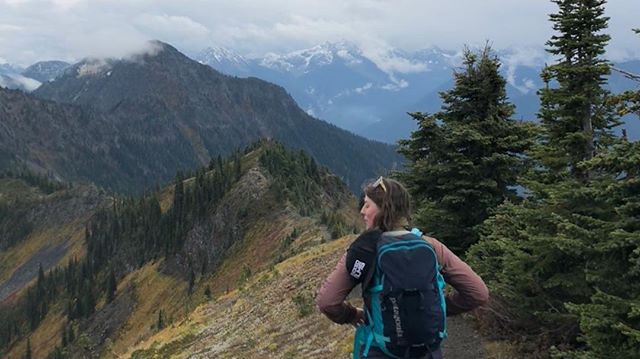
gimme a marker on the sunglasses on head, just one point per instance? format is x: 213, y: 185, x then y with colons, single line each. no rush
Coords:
x: 380, y: 182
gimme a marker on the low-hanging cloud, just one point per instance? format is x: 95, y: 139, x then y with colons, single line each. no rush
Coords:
x: 73, y: 29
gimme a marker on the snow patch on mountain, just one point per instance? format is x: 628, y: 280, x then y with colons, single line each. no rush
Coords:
x: 212, y: 55
x: 306, y: 60
x: 92, y: 67
x: 348, y: 57
x: 299, y: 61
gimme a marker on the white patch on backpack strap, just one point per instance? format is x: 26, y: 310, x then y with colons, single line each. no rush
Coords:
x: 358, y: 266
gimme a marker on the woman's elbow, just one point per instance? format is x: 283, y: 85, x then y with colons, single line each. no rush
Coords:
x: 321, y: 304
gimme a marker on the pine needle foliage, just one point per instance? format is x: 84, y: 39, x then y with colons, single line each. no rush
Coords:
x: 464, y: 160
x: 567, y: 259
x: 297, y: 177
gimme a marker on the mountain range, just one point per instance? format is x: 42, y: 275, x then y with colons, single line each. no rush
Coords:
x: 339, y: 83
x: 130, y: 124
x: 365, y: 94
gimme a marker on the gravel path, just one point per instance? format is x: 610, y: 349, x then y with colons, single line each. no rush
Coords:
x: 464, y: 341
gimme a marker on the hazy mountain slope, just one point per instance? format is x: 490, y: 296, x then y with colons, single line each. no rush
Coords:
x: 72, y: 144
x: 181, y: 113
x: 44, y: 71
x: 40, y: 229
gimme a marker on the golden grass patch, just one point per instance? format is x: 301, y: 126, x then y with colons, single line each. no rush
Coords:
x: 154, y: 291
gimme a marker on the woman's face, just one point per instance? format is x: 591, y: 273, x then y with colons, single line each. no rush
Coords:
x: 369, y: 211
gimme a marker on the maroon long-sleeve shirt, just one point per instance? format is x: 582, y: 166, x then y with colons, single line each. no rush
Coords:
x: 470, y: 291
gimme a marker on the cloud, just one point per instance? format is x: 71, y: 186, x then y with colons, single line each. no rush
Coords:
x: 171, y: 25
x: 395, y: 84
x: 72, y: 29
x: 66, y: 4
x: 8, y: 28
x: 523, y: 56
x: 15, y: 81
x: 391, y: 63
x: 363, y: 89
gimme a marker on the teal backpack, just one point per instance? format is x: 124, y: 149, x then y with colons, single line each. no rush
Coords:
x: 405, y: 308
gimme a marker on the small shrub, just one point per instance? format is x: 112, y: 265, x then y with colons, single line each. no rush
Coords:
x: 304, y: 302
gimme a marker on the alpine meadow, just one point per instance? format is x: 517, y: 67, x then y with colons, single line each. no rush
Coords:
x: 155, y: 206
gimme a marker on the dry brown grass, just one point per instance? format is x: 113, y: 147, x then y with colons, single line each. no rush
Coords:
x: 154, y: 292
x: 261, y: 319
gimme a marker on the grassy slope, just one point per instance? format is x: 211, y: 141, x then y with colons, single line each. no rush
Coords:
x: 265, y: 317
x: 155, y: 291
x: 69, y: 233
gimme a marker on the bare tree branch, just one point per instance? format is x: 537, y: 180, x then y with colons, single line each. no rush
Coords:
x: 627, y: 74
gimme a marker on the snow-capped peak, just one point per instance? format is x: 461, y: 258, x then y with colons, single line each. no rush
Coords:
x: 219, y: 55
x: 317, y: 56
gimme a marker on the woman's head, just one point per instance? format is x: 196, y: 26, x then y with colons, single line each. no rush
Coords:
x: 387, y: 205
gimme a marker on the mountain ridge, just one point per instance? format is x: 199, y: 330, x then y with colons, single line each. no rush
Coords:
x: 163, y: 112
x: 252, y: 225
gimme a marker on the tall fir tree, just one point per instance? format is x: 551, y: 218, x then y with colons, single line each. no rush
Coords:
x: 28, y: 354
x: 609, y: 323
x: 464, y: 160
x: 112, y: 286
x: 574, y: 110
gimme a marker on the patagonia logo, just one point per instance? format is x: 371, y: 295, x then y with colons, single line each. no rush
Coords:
x: 358, y: 266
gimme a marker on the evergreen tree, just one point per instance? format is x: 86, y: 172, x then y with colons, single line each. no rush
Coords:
x: 71, y: 335
x: 608, y: 321
x: 160, y: 324
x: 573, y: 107
x: 465, y: 159
x: 112, y: 285
x: 65, y: 339
x: 609, y: 324
x: 28, y: 354
x: 565, y: 260
x: 192, y: 280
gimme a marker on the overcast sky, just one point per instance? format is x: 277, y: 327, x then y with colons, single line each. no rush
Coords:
x: 33, y: 30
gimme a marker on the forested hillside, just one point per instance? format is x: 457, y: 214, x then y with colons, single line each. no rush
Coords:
x: 150, y: 259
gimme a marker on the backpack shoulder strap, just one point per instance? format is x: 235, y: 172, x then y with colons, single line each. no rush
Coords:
x: 361, y: 257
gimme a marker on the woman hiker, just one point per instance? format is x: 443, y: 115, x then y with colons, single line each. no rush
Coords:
x: 387, y: 213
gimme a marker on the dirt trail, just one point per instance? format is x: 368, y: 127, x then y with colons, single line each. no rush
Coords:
x: 463, y: 342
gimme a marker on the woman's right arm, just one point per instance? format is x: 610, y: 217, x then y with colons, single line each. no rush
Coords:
x: 333, y: 292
